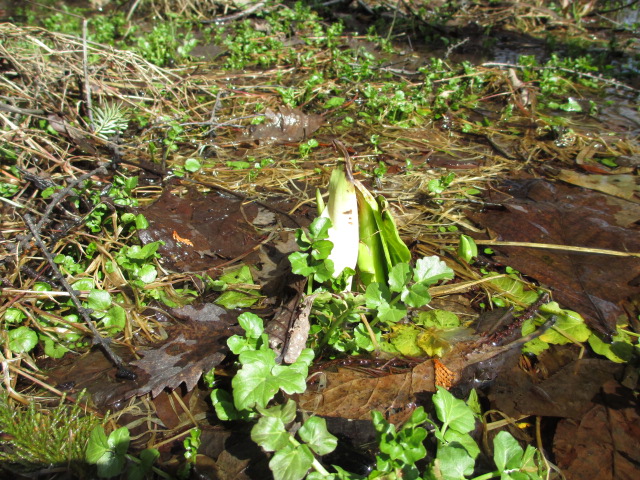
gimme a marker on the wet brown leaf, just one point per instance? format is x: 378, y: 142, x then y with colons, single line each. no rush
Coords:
x: 604, y: 443
x: 201, y: 231
x: 567, y: 393
x: 538, y: 211
x: 288, y: 125
x: 354, y: 392
x: 195, y: 346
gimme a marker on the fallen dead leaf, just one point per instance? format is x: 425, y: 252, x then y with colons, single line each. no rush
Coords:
x: 537, y: 211
x: 288, y: 125
x: 603, y: 444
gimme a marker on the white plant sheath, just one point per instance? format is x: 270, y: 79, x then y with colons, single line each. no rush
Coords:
x: 342, y: 209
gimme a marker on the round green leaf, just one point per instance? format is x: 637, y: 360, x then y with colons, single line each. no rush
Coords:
x: 14, y: 315
x: 148, y: 273
x: 192, y: 165
x: 22, y: 339
x: 99, y: 300
x: 83, y: 284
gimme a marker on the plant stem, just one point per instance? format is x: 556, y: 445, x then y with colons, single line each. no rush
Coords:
x: 486, y: 476
x: 317, y: 466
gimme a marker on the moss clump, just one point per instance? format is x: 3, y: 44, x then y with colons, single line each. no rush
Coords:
x: 36, y: 436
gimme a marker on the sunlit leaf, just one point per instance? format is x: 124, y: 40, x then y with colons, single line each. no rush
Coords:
x: 314, y: 432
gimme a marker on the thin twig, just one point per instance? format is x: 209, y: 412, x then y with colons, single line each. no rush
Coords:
x: 104, y: 343
x: 235, y: 16
x: 85, y: 70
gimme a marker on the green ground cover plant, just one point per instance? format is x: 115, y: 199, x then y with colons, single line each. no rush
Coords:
x: 410, y: 120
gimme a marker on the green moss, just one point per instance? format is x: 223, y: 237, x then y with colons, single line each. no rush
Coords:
x: 37, y: 436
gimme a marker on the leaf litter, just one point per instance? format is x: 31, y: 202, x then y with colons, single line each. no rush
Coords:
x: 191, y: 221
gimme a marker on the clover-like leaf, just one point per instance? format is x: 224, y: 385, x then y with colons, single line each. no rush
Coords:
x: 99, y: 300
x: 416, y: 296
x: 254, y: 384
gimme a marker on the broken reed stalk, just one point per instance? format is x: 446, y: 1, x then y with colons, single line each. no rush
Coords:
x: 566, y: 248
x: 104, y: 343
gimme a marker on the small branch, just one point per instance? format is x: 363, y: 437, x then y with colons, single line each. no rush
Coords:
x: 104, y: 343
x: 235, y: 16
x: 85, y: 70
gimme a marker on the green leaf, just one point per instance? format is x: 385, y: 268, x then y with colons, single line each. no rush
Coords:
x: 237, y: 299
x: 83, y: 284
x: 314, y: 432
x: 148, y: 456
x: 147, y: 273
x: 286, y: 412
x: 289, y: 379
x: 22, y: 339
x: 392, y: 314
x: 97, y: 445
x: 108, y: 454
x: 569, y: 322
x: 321, y: 249
x: 252, y: 324
x: 430, y: 270
x: 141, y: 222
x: 291, y: 462
x: 416, y: 296
x: 119, y: 440
x: 377, y: 294
x: 300, y: 264
x: 270, y: 434
x: 99, y: 300
x: 620, y: 350
x: 115, y: 319
x: 334, y: 102
x: 399, y: 276
x: 14, y: 315
x: 254, y: 383
x: 453, y: 463
x: 192, y: 165
x: 463, y: 439
x: 453, y: 412
x: 507, y: 452
x: 41, y: 287
x: 52, y: 348
x: 223, y: 405
x: 142, y: 253
x: 441, y: 319
x: 418, y: 417
x: 319, y: 228
x: 467, y: 249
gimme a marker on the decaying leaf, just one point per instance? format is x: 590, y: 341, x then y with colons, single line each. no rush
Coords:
x: 625, y: 186
x: 537, y: 211
x: 194, y: 346
x: 200, y: 231
x: 603, y: 444
x: 288, y: 125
